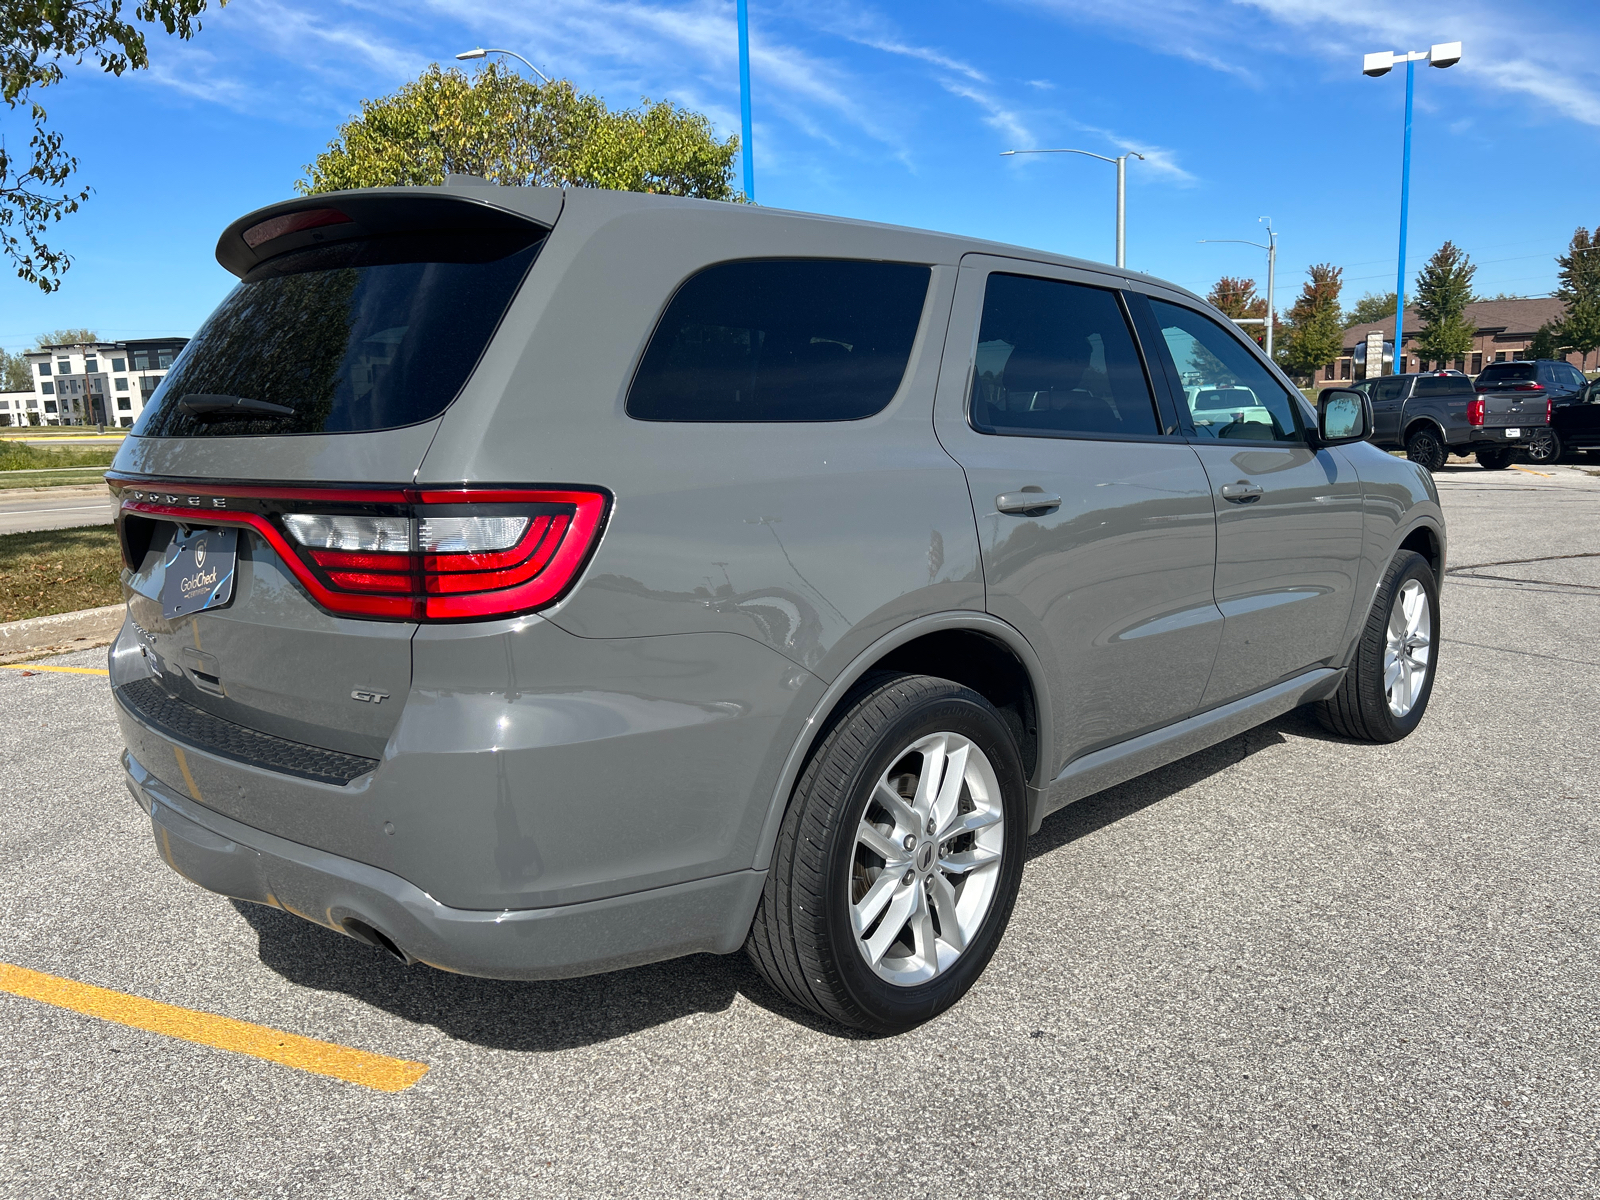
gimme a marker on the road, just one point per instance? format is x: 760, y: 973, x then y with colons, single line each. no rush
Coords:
x: 1289, y: 967
x: 55, y: 508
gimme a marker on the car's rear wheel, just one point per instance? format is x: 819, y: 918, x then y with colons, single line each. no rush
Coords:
x: 1387, y: 686
x: 1544, y: 447
x: 1494, y: 460
x: 899, y: 859
x: 1426, y: 450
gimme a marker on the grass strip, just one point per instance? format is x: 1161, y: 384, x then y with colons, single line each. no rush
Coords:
x: 58, y: 570
x: 22, y: 456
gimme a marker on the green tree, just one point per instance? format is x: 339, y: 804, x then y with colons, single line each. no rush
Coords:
x: 65, y: 337
x: 1580, y: 293
x: 1237, y: 298
x: 1444, y: 289
x: 15, y: 373
x: 1546, y: 342
x: 510, y: 131
x: 1371, y: 308
x: 1316, y: 328
x: 1500, y: 296
x: 36, y: 38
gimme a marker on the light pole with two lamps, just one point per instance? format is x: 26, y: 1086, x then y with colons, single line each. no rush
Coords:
x: 1272, y: 277
x: 1122, y: 187
x: 1445, y: 54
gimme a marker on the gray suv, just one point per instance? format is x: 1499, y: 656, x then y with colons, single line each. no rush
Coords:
x: 534, y: 583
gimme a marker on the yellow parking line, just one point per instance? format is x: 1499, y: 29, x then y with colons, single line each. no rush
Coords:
x: 31, y: 667
x: 376, y: 1071
x: 1525, y: 471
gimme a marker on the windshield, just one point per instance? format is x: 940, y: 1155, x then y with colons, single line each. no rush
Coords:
x: 345, y: 338
x: 1509, y: 372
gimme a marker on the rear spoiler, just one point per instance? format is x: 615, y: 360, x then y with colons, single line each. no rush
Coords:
x: 341, y: 216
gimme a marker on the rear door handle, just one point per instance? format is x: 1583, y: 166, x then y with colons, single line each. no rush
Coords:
x: 1242, y: 492
x: 1024, y: 502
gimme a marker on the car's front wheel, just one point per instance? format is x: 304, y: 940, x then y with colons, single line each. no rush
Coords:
x: 899, y: 859
x: 1387, y: 685
x: 1544, y: 447
x: 1426, y: 450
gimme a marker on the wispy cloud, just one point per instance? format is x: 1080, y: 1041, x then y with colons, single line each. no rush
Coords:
x: 1555, y: 69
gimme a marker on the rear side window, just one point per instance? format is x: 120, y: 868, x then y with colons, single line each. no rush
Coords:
x: 1516, y: 372
x: 344, y: 338
x: 1057, y: 359
x: 1439, y: 385
x: 782, y: 340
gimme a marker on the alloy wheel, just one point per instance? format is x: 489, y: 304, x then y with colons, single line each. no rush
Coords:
x: 1407, y: 655
x: 926, y: 861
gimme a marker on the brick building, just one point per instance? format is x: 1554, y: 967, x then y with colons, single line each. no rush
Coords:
x: 1502, y: 331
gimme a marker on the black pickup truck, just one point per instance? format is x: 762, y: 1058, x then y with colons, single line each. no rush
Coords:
x: 1432, y: 415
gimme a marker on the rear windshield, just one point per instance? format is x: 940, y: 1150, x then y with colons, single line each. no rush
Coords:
x: 1513, y: 372
x: 782, y: 340
x: 344, y: 338
x: 1438, y: 385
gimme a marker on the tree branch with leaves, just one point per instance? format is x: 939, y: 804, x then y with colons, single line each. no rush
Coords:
x: 36, y: 38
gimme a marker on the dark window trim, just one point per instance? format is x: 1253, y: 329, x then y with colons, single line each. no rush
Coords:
x: 1064, y: 434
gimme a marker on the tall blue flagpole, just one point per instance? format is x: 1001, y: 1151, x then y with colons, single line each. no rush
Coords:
x: 1401, y: 363
x: 746, y: 144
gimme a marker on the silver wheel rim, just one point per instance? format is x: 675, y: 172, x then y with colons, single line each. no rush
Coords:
x: 1407, y: 655
x: 926, y: 862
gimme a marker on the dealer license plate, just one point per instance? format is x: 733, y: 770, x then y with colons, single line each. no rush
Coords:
x: 1513, y: 433
x: 199, y: 571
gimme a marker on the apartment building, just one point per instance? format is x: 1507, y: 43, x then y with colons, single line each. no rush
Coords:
x: 97, y: 383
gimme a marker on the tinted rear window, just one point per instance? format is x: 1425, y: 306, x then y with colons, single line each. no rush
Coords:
x: 782, y: 340
x: 1512, y: 372
x: 353, y: 336
x: 1438, y: 385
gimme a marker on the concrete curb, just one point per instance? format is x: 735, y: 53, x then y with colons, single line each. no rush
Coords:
x: 60, y: 632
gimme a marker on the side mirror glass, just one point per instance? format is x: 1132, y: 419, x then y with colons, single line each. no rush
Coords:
x: 1343, y: 415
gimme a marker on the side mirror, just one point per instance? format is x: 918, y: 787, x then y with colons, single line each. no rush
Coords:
x: 1343, y: 415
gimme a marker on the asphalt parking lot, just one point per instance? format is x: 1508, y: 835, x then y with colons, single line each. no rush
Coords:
x: 1289, y: 966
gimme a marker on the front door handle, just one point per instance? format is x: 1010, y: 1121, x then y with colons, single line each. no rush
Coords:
x: 1242, y: 492
x: 1026, y: 502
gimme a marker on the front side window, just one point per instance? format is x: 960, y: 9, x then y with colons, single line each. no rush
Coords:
x: 1230, y: 394
x: 124, y: 402
x: 44, y: 368
x: 49, y: 389
x: 141, y: 361
x: 119, y: 364
x: 91, y: 365
x: 122, y: 385
x: 782, y: 340
x: 1057, y: 359
x: 63, y: 366
x: 164, y: 359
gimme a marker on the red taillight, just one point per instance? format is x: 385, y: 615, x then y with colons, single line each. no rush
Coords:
x: 1474, y: 412
x: 1549, y: 407
x: 295, y: 222
x: 406, y: 554
x: 1528, y: 387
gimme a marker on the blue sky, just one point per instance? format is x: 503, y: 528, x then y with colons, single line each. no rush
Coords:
x: 895, y: 112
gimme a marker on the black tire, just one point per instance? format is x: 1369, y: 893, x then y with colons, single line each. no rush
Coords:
x: 1360, y: 708
x: 1544, y: 448
x: 1497, y: 459
x: 802, y: 940
x: 1426, y: 450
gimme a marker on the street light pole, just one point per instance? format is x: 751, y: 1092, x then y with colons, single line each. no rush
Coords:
x: 745, y: 123
x: 1445, y: 54
x: 1271, y: 248
x: 480, y: 52
x: 1122, y: 188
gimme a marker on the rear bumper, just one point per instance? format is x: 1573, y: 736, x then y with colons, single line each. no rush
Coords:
x: 225, y: 856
